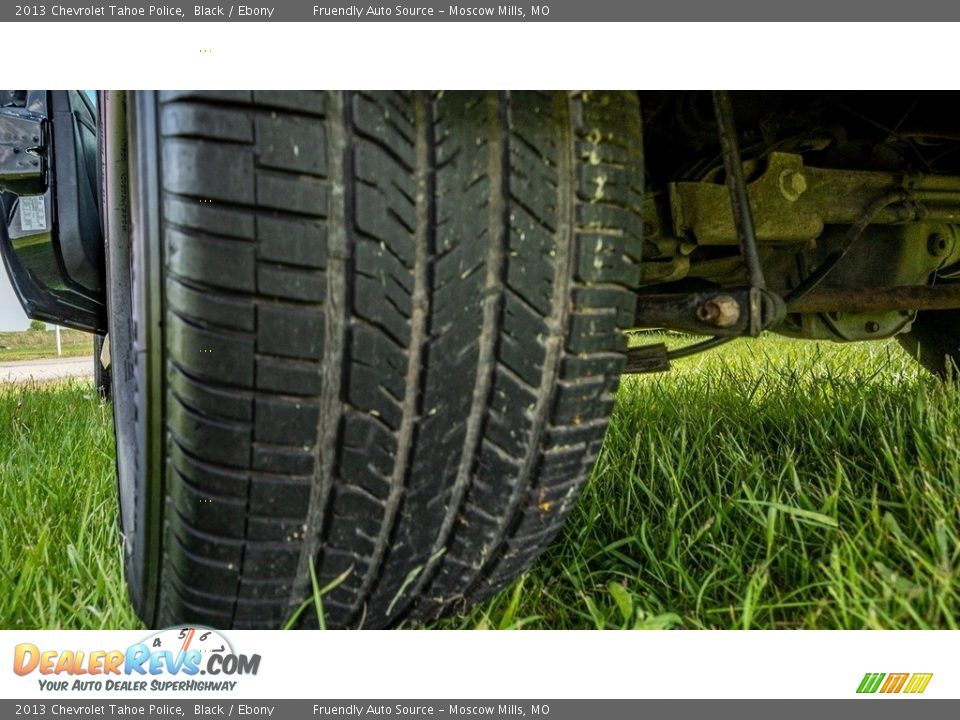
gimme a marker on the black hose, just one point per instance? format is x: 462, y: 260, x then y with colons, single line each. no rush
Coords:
x: 698, y: 347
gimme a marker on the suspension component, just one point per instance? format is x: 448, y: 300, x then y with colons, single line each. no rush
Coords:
x: 723, y: 313
x: 785, y: 215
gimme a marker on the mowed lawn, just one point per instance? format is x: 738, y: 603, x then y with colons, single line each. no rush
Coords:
x: 769, y: 484
x: 35, y: 345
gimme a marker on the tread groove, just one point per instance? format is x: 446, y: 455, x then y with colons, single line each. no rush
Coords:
x: 564, y: 241
x: 494, y: 284
x: 335, y: 354
x: 424, y: 242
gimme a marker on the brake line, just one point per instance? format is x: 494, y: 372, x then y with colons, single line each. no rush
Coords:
x: 853, y: 234
x: 699, y: 347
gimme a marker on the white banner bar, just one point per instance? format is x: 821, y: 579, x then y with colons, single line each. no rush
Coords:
x: 452, y: 664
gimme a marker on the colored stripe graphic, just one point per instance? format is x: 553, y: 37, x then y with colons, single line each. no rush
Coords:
x: 918, y: 682
x: 870, y: 682
x: 894, y: 683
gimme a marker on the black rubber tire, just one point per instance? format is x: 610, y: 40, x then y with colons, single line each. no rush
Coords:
x: 101, y: 374
x: 391, y: 337
x: 934, y: 341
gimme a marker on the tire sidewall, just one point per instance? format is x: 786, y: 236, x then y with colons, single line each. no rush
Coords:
x: 132, y: 253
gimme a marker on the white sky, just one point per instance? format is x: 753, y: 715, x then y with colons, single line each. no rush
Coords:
x: 11, y: 314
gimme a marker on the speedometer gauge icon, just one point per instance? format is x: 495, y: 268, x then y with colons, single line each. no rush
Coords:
x: 182, y: 638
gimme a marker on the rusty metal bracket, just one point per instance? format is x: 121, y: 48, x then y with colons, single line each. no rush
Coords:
x: 792, y: 203
x: 647, y: 359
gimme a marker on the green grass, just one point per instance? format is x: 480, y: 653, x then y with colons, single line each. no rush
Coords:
x: 60, y: 556
x: 35, y: 345
x: 769, y: 484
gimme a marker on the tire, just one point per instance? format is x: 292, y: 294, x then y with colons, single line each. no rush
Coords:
x: 101, y: 373
x: 934, y: 341
x: 372, y: 335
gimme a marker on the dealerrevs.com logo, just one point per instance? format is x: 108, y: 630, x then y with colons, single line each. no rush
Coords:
x: 888, y: 683
x: 171, y: 659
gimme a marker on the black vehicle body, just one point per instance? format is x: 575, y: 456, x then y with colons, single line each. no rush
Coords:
x: 50, y: 237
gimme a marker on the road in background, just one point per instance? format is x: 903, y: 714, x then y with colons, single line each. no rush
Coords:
x: 55, y: 369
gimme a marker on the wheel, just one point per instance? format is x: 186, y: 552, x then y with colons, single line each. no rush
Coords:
x: 934, y: 340
x: 101, y: 372
x: 371, y: 344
